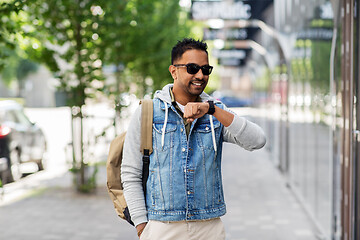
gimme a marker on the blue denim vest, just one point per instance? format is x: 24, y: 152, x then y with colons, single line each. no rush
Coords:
x: 185, y: 173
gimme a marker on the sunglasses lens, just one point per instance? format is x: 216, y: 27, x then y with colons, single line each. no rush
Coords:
x: 192, y: 68
x: 206, y: 70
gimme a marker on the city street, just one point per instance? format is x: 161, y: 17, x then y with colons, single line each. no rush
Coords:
x: 46, y: 206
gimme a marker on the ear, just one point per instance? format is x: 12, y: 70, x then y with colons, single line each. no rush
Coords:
x: 172, y: 70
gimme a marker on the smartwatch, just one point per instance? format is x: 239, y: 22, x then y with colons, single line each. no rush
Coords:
x: 211, y: 107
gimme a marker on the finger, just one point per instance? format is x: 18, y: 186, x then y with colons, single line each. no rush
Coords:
x: 190, y: 120
x: 190, y: 110
x: 186, y: 111
x: 194, y: 110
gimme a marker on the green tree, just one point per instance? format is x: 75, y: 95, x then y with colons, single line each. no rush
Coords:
x: 76, y: 38
x: 15, y: 36
x: 69, y: 44
x: 137, y: 36
x: 10, y: 25
x: 158, y: 26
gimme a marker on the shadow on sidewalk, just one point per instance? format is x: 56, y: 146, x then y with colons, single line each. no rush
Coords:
x: 60, y: 212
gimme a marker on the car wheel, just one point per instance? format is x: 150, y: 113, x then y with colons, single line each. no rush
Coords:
x: 15, y: 171
x: 41, y: 164
x: 43, y: 161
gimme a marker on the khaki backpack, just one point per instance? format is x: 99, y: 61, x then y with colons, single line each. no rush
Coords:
x: 113, y: 164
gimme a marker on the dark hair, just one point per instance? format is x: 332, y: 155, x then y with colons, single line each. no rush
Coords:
x: 184, y: 45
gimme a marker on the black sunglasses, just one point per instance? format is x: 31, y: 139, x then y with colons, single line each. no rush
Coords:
x: 193, y: 68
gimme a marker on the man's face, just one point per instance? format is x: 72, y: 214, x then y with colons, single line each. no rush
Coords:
x: 190, y: 85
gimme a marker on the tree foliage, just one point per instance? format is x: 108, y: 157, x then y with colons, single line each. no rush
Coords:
x: 16, y: 35
x: 69, y: 44
x: 138, y: 35
x: 77, y: 38
x: 12, y: 28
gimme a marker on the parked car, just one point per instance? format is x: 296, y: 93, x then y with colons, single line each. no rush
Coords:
x: 21, y: 141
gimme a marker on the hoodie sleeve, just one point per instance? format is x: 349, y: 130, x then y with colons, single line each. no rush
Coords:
x: 244, y: 133
x: 131, y: 171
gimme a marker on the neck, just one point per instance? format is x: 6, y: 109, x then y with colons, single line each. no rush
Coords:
x: 182, y: 98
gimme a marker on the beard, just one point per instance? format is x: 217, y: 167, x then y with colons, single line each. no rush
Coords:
x: 196, y: 87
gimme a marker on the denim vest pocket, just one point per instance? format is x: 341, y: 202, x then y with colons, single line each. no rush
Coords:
x: 168, y: 138
x: 204, y: 135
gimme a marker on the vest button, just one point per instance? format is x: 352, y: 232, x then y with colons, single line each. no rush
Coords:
x: 183, y: 149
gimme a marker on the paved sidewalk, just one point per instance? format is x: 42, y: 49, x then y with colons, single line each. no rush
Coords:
x: 258, y: 203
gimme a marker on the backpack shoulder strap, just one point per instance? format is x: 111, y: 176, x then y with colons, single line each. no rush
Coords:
x: 146, y: 126
x: 146, y: 138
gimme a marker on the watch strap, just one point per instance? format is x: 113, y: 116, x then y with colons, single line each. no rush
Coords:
x: 211, y: 110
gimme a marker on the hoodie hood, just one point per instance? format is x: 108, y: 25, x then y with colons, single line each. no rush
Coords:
x: 164, y: 95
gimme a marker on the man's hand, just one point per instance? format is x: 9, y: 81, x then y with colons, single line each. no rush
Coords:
x: 140, y: 228
x: 194, y: 110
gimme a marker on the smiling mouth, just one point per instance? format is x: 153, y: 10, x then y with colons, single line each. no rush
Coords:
x: 199, y: 84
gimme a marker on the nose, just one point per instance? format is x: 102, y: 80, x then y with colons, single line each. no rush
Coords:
x: 199, y: 74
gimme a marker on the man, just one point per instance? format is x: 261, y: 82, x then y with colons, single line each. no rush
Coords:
x: 184, y: 193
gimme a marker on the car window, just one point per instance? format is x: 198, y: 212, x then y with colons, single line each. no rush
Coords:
x: 10, y: 116
x: 21, y: 118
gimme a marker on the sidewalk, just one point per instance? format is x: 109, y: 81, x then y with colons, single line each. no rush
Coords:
x: 259, y: 206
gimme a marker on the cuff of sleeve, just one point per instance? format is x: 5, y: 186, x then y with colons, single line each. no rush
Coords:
x: 140, y: 219
x: 237, y: 126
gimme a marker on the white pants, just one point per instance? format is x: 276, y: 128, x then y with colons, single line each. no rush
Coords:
x: 194, y: 230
